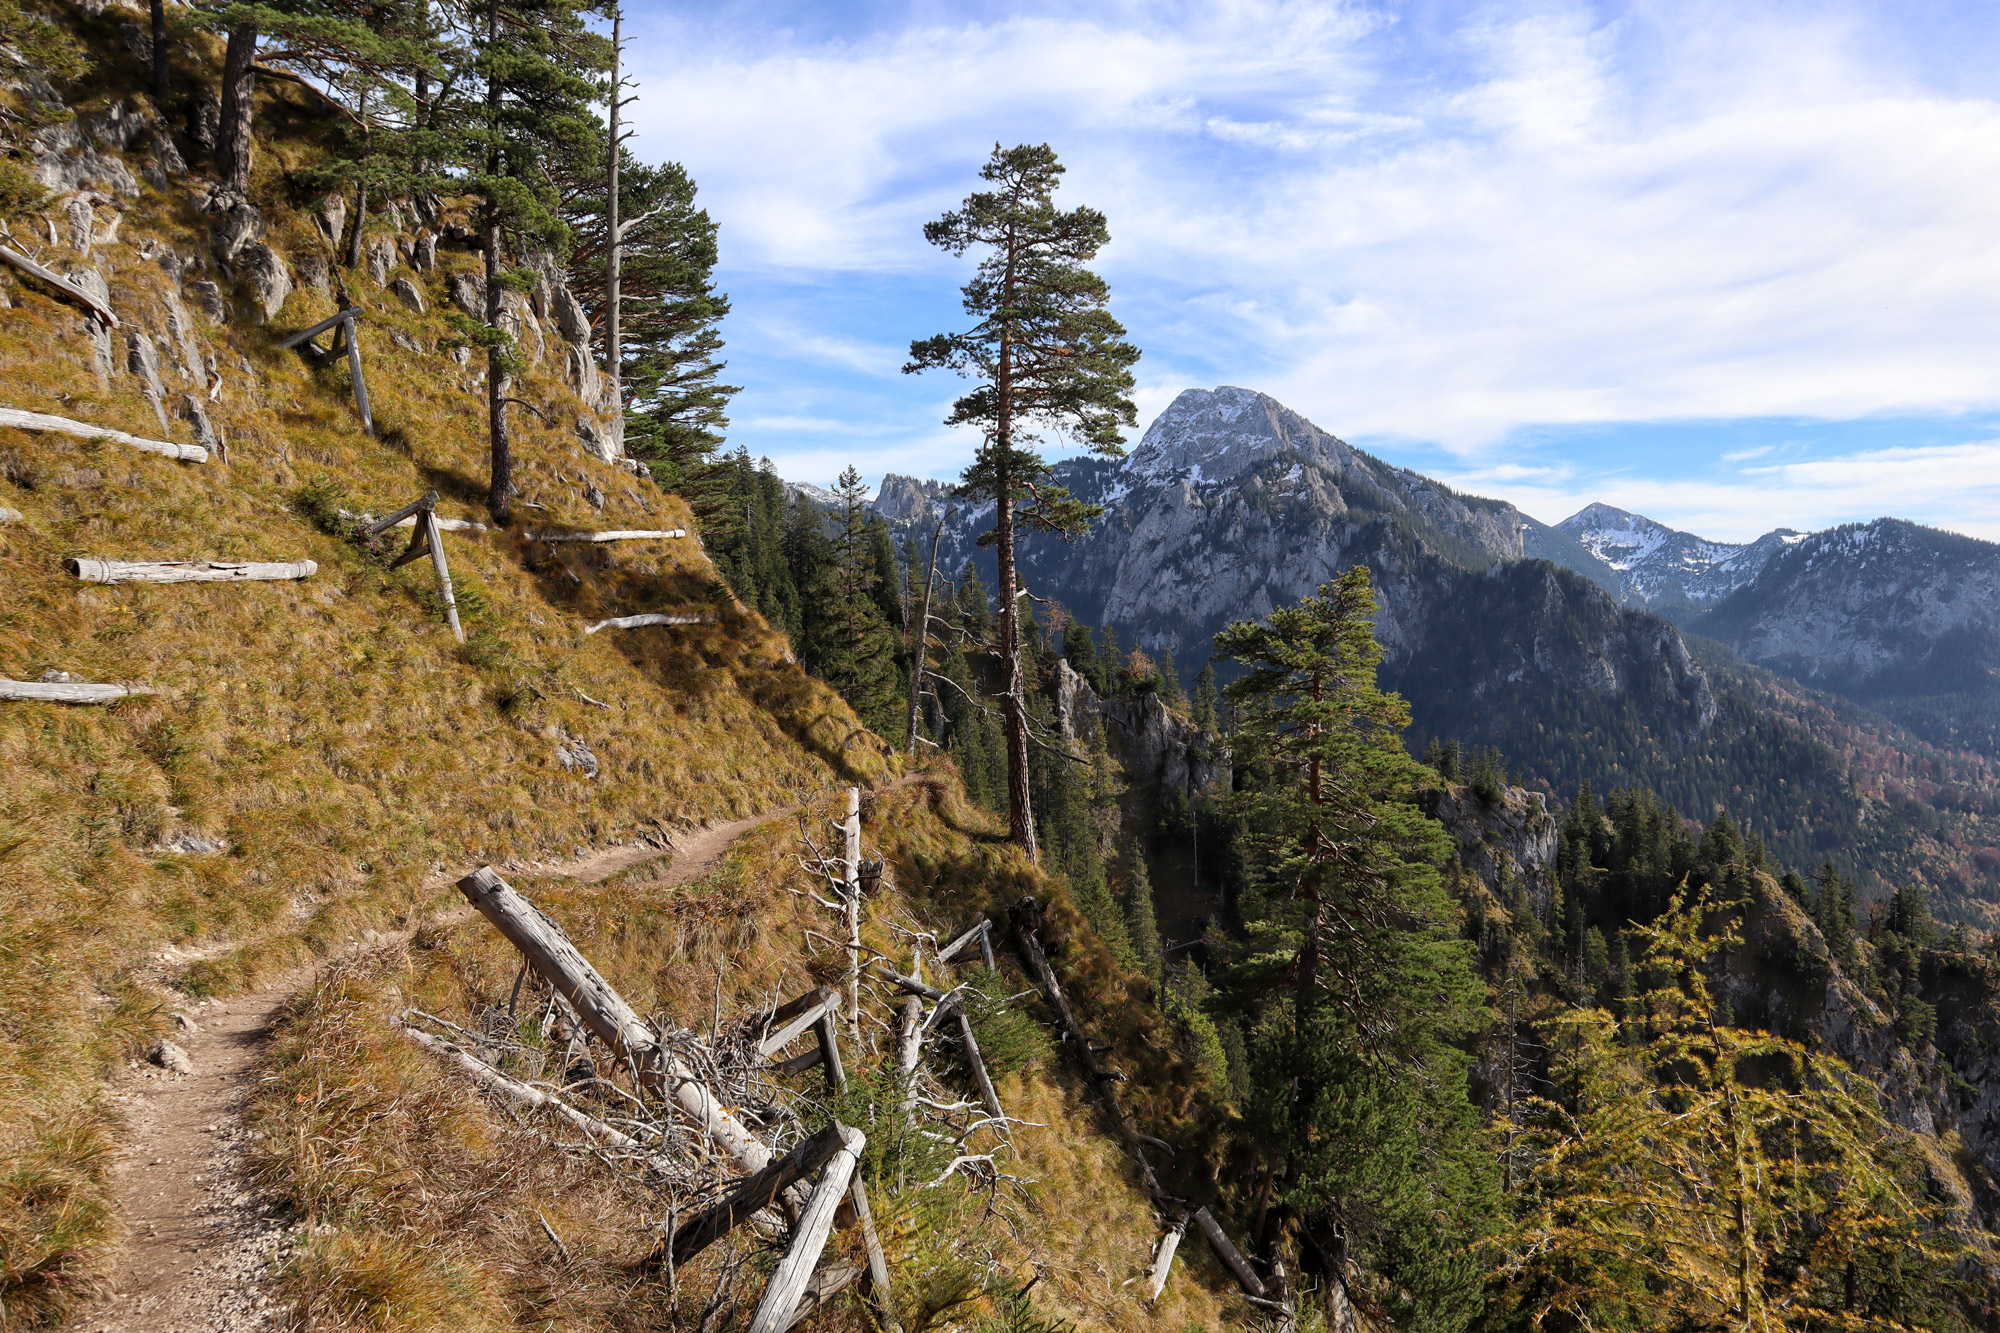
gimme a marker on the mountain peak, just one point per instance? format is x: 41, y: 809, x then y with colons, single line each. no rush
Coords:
x: 1216, y: 434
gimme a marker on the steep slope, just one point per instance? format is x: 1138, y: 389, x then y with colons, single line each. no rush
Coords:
x: 1898, y: 616
x: 1231, y: 505
x: 1674, y: 573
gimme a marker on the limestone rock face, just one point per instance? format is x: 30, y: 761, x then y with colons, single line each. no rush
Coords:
x: 237, y: 223
x: 1158, y: 749
x: 1512, y: 840
x: 143, y: 360
x: 264, y: 269
x: 424, y: 253
x: 208, y: 295
x: 468, y: 293
x: 82, y: 152
x: 333, y: 218
x: 408, y: 293
x: 381, y: 258
x: 569, y: 317
x: 195, y: 413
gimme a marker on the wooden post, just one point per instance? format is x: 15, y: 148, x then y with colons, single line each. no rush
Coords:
x: 829, y: 1046
x: 36, y: 691
x: 977, y: 930
x: 429, y: 527
x: 42, y: 421
x: 307, y: 335
x: 751, y: 1196
x: 186, y: 571
x: 361, y: 385
x: 978, y: 1063
x: 1163, y: 1257
x: 795, y: 1270
x: 909, y: 1047
x: 797, y: 1016
x: 605, y: 1012
x: 851, y: 895
x: 920, y: 653
x: 878, y: 1263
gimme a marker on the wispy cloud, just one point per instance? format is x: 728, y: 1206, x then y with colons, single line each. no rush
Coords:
x: 1410, y: 227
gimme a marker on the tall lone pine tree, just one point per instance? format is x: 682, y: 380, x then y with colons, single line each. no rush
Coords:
x: 1046, y: 353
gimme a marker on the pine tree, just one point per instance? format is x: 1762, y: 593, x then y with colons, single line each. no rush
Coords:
x: 1352, y: 966
x: 1203, y: 713
x: 1171, y: 693
x: 1142, y: 923
x: 857, y: 654
x: 1046, y: 353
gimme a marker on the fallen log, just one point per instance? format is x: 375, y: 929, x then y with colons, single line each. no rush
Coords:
x: 42, y: 421
x: 492, y: 1079
x: 750, y: 1197
x: 829, y: 1048
x: 62, y: 285
x: 187, y: 571
x: 977, y: 932
x: 878, y: 1263
x: 915, y: 987
x: 650, y: 618
x: 1163, y: 1257
x: 788, y: 1284
x: 909, y: 1047
x: 606, y: 1014
x: 978, y: 1063
x: 26, y: 691
x: 410, y: 521
x: 1232, y: 1258
x: 617, y: 535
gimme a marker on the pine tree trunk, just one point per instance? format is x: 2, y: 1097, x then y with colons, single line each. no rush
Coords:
x: 1014, y: 711
x: 239, y: 78
x: 360, y: 221
x: 159, y: 15
x: 500, y: 496
x: 614, y: 355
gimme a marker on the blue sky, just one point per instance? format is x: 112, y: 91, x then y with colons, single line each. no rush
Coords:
x: 1734, y: 266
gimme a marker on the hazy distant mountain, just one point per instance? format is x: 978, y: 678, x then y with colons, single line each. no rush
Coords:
x: 1899, y: 616
x: 1232, y: 504
x: 1657, y: 567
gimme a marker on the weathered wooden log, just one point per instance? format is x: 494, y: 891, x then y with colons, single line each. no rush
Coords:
x: 429, y: 528
x: 493, y: 1080
x: 909, y: 1037
x: 1163, y: 1257
x: 1232, y: 1258
x: 915, y: 987
x: 410, y: 521
x: 797, y: 1016
x: 187, y: 571
x: 406, y: 517
x: 360, y: 380
x: 829, y: 1047
x: 795, y: 1270
x: 606, y: 1014
x: 42, y: 421
x: 878, y: 1262
x: 976, y: 932
x: 798, y: 1064
x: 826, y: 1284
x: 752, y: 1196
x: 306, y: 335
x: 650, y: 618
x: 616, y: 535
x: 36, y: 691
x: 851, y: 900
x: 978, y: 1063
x: 64, y: 287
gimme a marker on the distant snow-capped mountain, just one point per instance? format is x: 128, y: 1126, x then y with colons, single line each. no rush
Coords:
x: 1664, y: 569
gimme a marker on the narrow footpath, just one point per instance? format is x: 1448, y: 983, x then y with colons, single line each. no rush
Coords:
x: 201, y: 1241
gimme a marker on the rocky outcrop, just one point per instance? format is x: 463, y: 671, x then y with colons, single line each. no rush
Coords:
x: 468, y: 293
x: 270, y: 280
x: 408, y: 293
x: 1159, y: 750
x: 1505, y: 843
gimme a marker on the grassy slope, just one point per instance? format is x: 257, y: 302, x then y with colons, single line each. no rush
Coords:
x: 347, y: 752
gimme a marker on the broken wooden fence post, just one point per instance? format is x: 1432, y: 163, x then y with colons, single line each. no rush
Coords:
x: 978, y: 1063
x: 878, y: 1263
x: 650, y: 618
x: 752, y: 1196
x: 796, y: 1016
x: 186, y: 571
x: 795, y: 1270
x: 423, y: 513
x: 83, y: 430
x: 978, y: 930
x: 605, y: 1012
x: 57, y: 692
x: 617, y: 535
x: 1163, y: 1257
x: 304, y: 337
x: 829, y: 1047
x: 851, y: 898
x: 361, y: 382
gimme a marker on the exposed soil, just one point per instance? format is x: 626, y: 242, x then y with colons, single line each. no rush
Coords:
x: 200, y: 1241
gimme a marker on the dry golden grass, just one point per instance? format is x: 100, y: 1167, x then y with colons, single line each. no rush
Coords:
x: 378, y: 1143
x: 329, y: 732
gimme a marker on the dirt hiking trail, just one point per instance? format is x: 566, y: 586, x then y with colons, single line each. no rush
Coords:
x: 200, y: 1240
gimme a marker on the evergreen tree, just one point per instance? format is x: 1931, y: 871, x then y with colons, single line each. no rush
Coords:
x: 1353, y: 967
x: 1834, y: 910
x: 1142, y: 924
x: 1080, y: 647
x: 858, y: 654
x: 1046, y: 353
x: 1171, y: 693
x: 1202, y: 711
